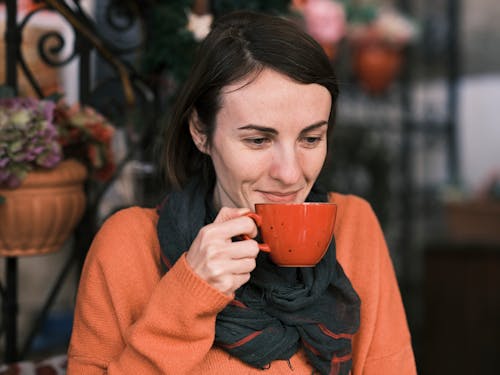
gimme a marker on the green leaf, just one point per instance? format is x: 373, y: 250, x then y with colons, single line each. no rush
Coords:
x: 6, y: 91
x: 20, y: 118
x: 15, y: 147
x: 55, y: 97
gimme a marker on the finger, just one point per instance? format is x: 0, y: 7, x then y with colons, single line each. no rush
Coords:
x: 239, y: 280
x: 228, y: 213
x: 243, y: 249
x: 231, y: 228
x: 220, y: 270
x: 242, y: 266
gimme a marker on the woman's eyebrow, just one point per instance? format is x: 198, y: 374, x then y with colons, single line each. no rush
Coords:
x: 266, y: 129
x: 314, y: 126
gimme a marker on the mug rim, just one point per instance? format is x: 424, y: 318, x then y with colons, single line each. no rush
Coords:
x: 297, y: 204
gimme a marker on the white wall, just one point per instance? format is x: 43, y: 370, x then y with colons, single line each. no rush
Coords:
x: 479, y: 128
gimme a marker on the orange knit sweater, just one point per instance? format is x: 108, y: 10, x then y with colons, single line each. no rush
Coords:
x: 131, y: 320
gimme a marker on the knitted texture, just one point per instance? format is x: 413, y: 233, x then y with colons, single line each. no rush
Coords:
x: 131, y: 318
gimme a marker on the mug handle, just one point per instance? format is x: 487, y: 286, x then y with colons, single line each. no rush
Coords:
x: 258, y: 221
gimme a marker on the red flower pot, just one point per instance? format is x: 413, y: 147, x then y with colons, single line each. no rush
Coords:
x: 376, y: 66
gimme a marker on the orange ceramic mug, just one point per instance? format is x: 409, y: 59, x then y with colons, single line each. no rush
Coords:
x: 295, y: 234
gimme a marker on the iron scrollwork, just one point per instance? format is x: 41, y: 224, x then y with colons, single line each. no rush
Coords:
x: 128, y: 91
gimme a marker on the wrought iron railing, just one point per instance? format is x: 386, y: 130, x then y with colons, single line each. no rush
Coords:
x: 124, y: 92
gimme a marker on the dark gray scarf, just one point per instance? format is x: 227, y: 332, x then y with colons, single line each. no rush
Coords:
x: 280, y: 309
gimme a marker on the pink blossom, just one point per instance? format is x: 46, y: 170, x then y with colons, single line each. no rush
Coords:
x: 325, y: 20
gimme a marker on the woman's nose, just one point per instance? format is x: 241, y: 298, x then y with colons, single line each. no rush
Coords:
x: 285, y: 166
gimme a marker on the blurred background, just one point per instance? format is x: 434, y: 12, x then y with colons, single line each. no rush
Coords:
x: 417, y: 135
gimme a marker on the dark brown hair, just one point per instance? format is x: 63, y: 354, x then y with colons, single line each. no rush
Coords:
x: 240, y: 44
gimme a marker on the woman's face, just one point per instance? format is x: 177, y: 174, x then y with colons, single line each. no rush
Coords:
x: 269, y: 142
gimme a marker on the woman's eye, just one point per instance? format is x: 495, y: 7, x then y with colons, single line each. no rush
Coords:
x: 257, y: 141
x: 311, y: 141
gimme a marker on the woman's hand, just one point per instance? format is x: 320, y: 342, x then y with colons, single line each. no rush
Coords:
x: 224, y: 264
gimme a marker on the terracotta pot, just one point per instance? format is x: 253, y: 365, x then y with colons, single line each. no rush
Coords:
x: 27, y: 5
x: 40, y: 215
x: 330, y: 50
x: 377, y: 65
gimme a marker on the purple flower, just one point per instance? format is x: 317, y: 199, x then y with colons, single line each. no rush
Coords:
x: 28, y: 138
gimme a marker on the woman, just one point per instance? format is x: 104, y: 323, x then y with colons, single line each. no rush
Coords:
x: 175, y: 290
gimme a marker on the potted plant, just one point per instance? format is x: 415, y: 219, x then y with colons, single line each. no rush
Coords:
x: 47, y: 150
x: 377, y: 37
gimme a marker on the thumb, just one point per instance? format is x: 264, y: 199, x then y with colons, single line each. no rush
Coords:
x: 228, y: 213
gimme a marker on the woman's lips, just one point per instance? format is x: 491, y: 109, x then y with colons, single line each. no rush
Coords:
x: 279, y: 197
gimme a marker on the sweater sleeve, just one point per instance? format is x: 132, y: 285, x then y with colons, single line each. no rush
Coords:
x: 390, y: 351
x: 383, y: 343
x: 129, y: 319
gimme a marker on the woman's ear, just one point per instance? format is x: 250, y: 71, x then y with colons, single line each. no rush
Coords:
x: 197, y: 133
